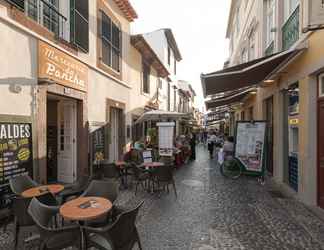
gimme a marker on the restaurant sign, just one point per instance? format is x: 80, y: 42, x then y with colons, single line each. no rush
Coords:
x: 16, y: 156
x: 61, y: 68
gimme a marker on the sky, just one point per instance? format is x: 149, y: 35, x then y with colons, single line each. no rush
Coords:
x: 199, y: 28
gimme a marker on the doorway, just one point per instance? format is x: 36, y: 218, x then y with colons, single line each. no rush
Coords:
x: 61, y: 139
x: 269, y: 134
x: 115, y: 149
x: 320, y: 131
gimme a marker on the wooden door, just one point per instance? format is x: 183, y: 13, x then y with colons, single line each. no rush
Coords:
x: 321, y: 153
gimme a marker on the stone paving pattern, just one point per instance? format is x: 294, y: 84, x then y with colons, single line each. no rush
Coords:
x: 214, y: 213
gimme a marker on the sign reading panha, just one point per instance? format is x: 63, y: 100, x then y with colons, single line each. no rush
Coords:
x: 61, y: 68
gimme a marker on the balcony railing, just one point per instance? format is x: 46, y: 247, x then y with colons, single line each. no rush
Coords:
x: 290, y: 30
x: 270, y: 49
x: 46, y: 14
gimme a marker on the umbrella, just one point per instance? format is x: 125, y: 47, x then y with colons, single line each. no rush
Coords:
x: 157, y: 115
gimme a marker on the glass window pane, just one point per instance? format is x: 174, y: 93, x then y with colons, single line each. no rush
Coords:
x: 106, y: 27
x: 115, y: 59
x: 115, y: 36
x: 106, y: 52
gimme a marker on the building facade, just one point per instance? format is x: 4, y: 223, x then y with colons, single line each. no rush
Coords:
x: 289, y: 96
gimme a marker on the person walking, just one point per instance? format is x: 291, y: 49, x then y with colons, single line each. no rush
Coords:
x: 193, y: 147
x: 211, y: 143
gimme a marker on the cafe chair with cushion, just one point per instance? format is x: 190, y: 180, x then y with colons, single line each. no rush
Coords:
x: 75, y: 189
x: 121, y: 235
x: 52, y: 238
x: 21, y: 217
x: 21, y: 183
x: 141, y: 177
x: 163, y: 177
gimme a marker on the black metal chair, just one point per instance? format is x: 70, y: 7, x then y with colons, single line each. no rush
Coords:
x: 22, y: 218
x: 52, y: 238
x: 21, y: 183
x: 121, y: 235
x: 163, y: 176
x: 110, y: 171
x: 6, y: 213
x: 75, y: 189
x: 141, y: 177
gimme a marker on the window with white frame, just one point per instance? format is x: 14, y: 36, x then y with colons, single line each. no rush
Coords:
x: 244, y: 56
x: 252, y: 45
x: 270, y: 21
x: 237, y: 21
x: 321, y: 85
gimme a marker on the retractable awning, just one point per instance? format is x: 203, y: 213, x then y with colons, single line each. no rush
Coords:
x: 246, y: 74
x: 232, y: 98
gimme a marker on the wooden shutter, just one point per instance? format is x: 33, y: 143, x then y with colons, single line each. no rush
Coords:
x: 80, y: 24
x: 18, y: 3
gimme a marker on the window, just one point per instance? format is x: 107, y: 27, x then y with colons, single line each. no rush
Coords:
x: 169, y: 55
x: 111, y: 43
x: 321, y: 85
x: 160, y: 83
x: 237, y: 22
x: 244, y: 56
x: 270, y: 16
x: 252, y: 46
x: 169, y: 96
x: 175, y: 66
x: 251, y: 116
x: 290, y: 6
x: 243, y: 116
x: 175, y: 99
x: 146, y: 78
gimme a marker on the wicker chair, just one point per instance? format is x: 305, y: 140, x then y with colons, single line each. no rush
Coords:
x: 50, y: 238
x: 76, y: 189
x: 21, y: 183
x: 141, y: 177
x: 121, y: 235
x: 163, y: 177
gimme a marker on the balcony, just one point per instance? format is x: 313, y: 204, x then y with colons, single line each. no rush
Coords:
x: 270, y: 49
x: 45, y: 13
x: 290, y: 30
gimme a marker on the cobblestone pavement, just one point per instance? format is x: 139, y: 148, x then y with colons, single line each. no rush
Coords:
x: 213, y: 213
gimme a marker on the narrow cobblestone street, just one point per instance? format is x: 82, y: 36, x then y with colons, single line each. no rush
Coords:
x: 216, y: 213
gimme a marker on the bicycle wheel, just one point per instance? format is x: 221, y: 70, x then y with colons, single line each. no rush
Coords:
x: 231, y: 169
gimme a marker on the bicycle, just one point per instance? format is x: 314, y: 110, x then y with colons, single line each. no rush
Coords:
x: 231, y: 168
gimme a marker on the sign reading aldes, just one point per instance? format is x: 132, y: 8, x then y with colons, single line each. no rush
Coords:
x: 61, y: 68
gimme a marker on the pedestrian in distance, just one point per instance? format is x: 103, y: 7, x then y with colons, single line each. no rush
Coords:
x: 211, y: 143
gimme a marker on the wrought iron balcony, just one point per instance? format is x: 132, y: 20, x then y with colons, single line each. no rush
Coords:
x: 46, y: 14
x: 270, y: 49
x: 290, y: 30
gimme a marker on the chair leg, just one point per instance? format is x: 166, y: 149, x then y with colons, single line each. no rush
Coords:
x: 16, y: 234
x: 138, y: 241
x: 174, y: 188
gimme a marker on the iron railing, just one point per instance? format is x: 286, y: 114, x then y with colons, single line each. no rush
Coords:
x: 290, y: 30
x: 270, y: 49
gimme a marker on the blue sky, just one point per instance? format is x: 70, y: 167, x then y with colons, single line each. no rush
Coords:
x: 199, y: 28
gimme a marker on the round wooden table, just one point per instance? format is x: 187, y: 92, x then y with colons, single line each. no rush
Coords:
x: 72, y: 210
x: 37, y: 191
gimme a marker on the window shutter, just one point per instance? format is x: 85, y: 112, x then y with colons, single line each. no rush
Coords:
x: 18, y: 3
x: 80, y: 24
x: 316, y: 13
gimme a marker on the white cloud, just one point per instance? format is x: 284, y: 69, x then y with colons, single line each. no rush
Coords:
x: 199, y: 28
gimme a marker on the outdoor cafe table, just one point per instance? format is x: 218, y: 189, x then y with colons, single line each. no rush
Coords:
x: 73, y: 210
x: 37, y: 191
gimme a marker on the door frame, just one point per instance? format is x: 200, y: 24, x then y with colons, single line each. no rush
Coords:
x: 320, y: 98
x: 265, y: 110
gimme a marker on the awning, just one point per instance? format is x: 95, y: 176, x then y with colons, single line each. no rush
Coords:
x: 234, y: 97
x: 159, y: 115
x: 246, y: 74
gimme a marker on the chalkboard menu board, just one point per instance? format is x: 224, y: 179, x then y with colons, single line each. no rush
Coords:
x: 98, y: 144
x: 16, y: 157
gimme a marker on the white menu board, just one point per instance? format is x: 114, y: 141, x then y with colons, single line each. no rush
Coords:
x: 249, y: 147
x: 166, y: 133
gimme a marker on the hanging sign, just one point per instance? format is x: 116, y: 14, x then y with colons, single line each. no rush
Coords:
x: 16, y: 156
x: 250, y: 144
x: 61, y: 68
